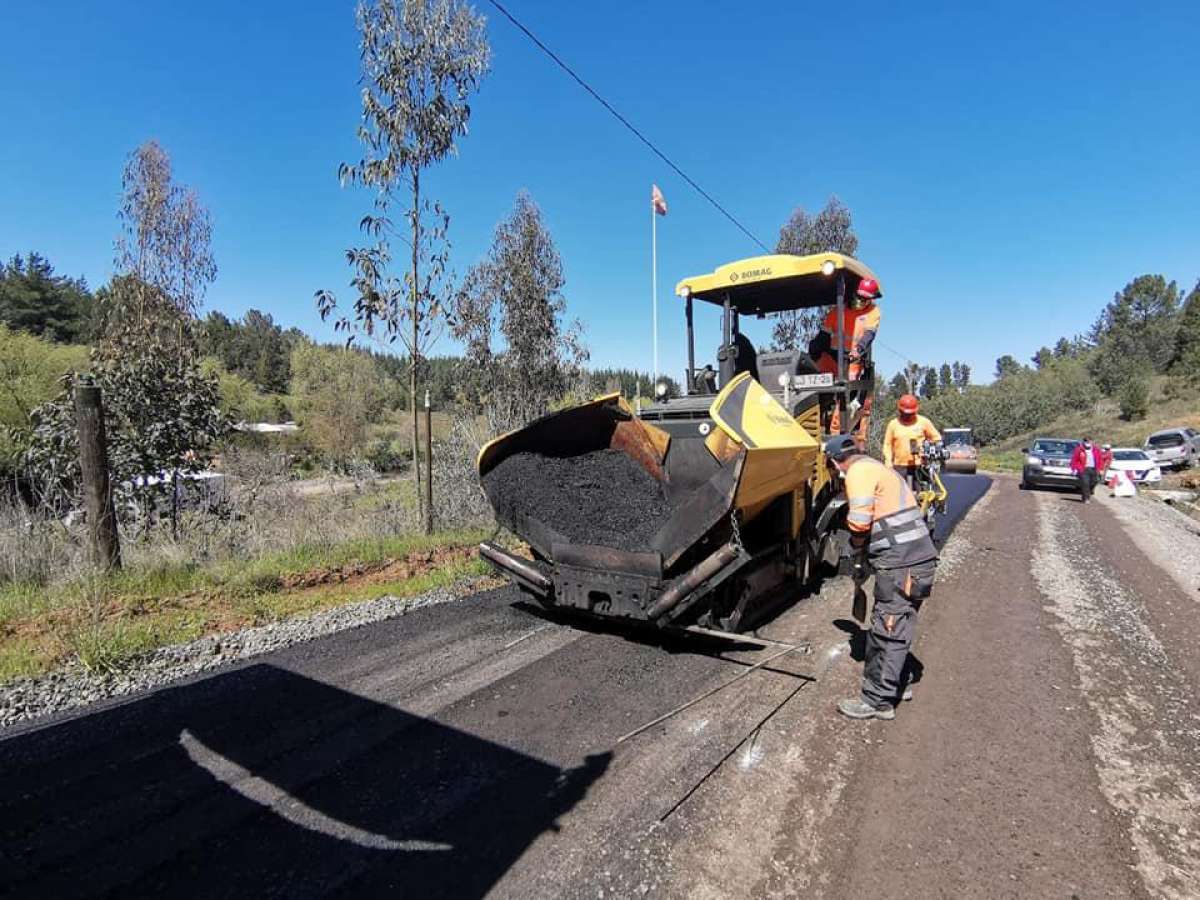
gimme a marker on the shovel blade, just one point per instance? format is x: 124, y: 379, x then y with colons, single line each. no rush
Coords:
x: 860, y: 604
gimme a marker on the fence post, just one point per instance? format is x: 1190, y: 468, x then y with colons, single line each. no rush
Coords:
x: 428, y: 466
x: 97, y: 490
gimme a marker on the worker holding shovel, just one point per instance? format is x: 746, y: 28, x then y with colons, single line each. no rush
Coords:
x: 888, y: 529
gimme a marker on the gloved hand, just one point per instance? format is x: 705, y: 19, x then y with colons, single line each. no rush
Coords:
x: 858, y: 543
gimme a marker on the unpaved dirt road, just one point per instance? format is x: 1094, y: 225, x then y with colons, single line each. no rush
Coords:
x: 1052, y: 750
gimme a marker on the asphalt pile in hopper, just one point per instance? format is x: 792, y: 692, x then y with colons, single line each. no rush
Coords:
x: 603, y: 498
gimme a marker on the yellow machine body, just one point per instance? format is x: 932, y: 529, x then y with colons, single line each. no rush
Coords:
x: 780, y: 455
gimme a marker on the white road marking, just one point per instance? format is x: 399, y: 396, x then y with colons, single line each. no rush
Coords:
x: 284, y: 805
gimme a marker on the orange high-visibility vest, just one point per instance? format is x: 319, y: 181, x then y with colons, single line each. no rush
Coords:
x: 856, y: 324
x: 898, y: 438
x: 881, y: 503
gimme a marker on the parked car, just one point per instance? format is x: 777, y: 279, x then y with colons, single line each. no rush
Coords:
x: 961, y: 453
x: 1176, y: 448
x: 1135, y: 463
x: 1048, y: 463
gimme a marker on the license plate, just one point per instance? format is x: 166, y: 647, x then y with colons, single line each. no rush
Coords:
x: 1057, y: 470
x: 824, y: 379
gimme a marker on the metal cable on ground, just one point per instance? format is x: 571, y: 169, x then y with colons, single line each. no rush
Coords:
x: 751, y: 734
x: 720, y: 687
x: 620, y: 118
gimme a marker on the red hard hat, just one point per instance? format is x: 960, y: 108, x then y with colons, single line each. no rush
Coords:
x: 868, y: 289
x: 908, y: 405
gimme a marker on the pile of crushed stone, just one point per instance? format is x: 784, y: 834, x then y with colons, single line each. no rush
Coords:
x: 603, y: 498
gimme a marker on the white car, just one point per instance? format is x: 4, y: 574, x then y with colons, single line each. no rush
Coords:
x: 1137, y: 464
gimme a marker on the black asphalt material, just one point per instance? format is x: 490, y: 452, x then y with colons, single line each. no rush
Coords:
x: 462, y: 750
x: 965, y: 492
x: 604, y: 498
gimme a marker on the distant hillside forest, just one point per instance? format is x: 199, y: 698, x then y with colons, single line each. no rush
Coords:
x: 1149, y: 328
x: 49, y: 322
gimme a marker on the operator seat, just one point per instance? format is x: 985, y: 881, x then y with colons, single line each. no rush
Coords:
x: 738, y: 357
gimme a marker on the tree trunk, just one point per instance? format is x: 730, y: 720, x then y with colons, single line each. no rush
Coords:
x: 428, y: 466
x: 415, y: 350
x: 97, y: 490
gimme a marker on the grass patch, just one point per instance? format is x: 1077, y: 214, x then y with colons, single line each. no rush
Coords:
x: 105, y: 621
x: 991, y: 460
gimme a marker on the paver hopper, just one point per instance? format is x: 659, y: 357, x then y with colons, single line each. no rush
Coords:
x: 734, y: 485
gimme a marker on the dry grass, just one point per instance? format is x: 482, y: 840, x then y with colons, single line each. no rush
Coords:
x: 269, y: 552
x: 1103, y: 424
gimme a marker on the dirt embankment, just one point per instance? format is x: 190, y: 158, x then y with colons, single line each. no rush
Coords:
x: 421, y: 562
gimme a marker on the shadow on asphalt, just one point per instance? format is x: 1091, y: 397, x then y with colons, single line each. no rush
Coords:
x: 914, y: 669
x: 263, y: 782
x: 635, y: 632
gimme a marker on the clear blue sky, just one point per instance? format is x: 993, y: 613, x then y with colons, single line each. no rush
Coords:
x: 1008, y: 169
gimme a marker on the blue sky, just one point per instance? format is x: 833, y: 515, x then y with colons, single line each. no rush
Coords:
x: 1008, y: 169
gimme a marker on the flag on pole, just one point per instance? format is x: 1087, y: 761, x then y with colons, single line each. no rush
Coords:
x: 657, y: 200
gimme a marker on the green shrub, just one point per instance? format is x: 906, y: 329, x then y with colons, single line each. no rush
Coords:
x: 336, y: 393
x: 30, y: 369
x: 1134, y: 399
x: 1021, y: 401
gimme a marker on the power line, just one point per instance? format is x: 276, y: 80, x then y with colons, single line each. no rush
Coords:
x: 645, y: 140
x: 896, y: 352
x: 620, y: 118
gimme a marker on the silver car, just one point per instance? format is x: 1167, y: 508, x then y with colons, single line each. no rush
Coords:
x: 1175, y: 448
x: 1048, y: 463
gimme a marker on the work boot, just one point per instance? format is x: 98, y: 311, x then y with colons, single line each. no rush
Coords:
x: 860, y: 709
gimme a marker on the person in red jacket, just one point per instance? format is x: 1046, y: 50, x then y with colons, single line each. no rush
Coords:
x: 1106, y: 458
x: 1085, y: 463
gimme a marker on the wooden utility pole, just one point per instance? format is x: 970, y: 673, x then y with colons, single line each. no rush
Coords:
x: 97, y: 490
x: 428, y: 466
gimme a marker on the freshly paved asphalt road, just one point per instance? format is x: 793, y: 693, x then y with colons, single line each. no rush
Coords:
x: 471, y: 749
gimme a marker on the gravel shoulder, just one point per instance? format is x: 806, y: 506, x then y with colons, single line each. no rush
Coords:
x: 29, y: 699
x: 1167, y: 537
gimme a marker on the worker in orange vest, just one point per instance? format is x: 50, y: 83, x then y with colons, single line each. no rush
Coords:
x: 888, y: 533
x: 860, y: 324
x: 904, y: 436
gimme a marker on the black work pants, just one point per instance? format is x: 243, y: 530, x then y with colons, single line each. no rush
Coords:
x: 1086, y: 480
x: 898, y: 596
x: 908, y: 473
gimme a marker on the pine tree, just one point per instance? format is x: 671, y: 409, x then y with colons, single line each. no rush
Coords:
x: 35, y: 300
x: 1187, y: 340
x: 945, y: 378
x: 929, y: 384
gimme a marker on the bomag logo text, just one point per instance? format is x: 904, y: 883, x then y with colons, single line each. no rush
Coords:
x: 751, y: 273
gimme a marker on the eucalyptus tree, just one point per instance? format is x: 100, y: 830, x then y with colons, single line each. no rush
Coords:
x: 803, y: 234
x: 421, y: 61
x: 162, y: 410
x: 522, y: 358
